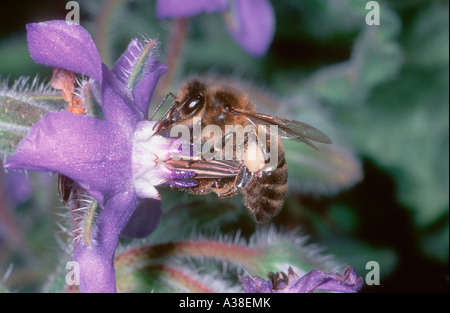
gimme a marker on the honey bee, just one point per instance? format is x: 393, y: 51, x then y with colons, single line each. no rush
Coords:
x: 263, y: 187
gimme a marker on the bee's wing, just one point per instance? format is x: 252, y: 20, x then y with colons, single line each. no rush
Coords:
x: 289, y: 129
x: 208, y: 169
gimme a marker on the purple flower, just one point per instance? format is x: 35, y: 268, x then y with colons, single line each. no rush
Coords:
x: 117, y: 160
x: 18, y: 187
x: 314, y: 280
x: 251, y: 23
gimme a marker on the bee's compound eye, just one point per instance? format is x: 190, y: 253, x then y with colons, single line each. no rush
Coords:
x: 192, y: 105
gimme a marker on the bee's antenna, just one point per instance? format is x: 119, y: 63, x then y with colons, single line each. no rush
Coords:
x: 167, y: 112
x: 162, y: 102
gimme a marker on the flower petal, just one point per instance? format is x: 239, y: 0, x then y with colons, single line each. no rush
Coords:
x: 146, y: 189
x: 144, y: 220
x: 143, y: 91
x: 255, y: 284
x: 252, y: 25
x: 90, y: 151
x: 117, y: 105
x: 318, y: 280
x: 349, y: 282
x: 64, y: 45
x: 152, y: 71
x: 124, y: 65
x: 182, y: 8
x: 18, y: 187
x: 314, y: 280
x: 96, y: 262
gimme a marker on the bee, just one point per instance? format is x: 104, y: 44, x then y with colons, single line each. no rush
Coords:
x: 262, y: 181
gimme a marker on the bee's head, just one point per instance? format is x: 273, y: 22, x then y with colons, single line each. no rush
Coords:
x: 189, y: 103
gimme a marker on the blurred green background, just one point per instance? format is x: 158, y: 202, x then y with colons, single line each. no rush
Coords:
x: 380, y: 92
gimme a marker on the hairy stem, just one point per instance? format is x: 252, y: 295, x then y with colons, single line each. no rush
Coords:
x: 203, y: 248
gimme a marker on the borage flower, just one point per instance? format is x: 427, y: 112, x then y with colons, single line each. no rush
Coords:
x: 314, y: 280
x: 251, y: 23
x: 117, y: 160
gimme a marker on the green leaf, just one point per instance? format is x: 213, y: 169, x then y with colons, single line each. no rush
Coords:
x: 321, y: 172
x: 427, y: 41
x: 405, y: 130
x: 376, y: 58
x: 9, y: 140
x: 19, y: 113
x: 163, y: 267
x: 21, y: 106
x: 435, y: 241
x: 358, y: 253
x: 331, y: 169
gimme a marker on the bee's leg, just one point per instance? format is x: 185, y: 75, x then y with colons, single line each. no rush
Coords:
x: 243, y: 178
x: 198, y: 187
x: 224, y: 188
x: 182, y: 184
x: 181, y: 178
x: 231, y: 191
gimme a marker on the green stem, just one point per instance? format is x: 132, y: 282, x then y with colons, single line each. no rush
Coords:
x: 151, y: 262
x: 44, y: 98
x: 170, y: 274
x: 235, y: 253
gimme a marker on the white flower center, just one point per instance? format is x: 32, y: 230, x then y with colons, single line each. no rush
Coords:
x: 148, y: 156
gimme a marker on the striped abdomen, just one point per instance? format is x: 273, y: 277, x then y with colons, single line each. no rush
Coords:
x: 264, y: 196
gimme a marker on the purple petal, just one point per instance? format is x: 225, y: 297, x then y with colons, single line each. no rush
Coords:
x: 97, y: 261
x: 18, y: 187
x: 64, y: 45
x: 92, y: 152
x: 117, y: 105
x: 143, y: 91
x: 252, y: 25
x: 314, y: 280
x: 125, y: 63
x: 144, y: 220
x: 96, y: 269
x: 349, y: 282
x: 183, y: 8
x: 255, y: 284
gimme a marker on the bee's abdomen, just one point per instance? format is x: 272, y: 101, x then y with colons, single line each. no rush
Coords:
x: 264, y: 196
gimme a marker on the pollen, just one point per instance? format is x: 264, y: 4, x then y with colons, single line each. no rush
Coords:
x: 254, y: 157
x: 76, y: 106
x: 65, y: 81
